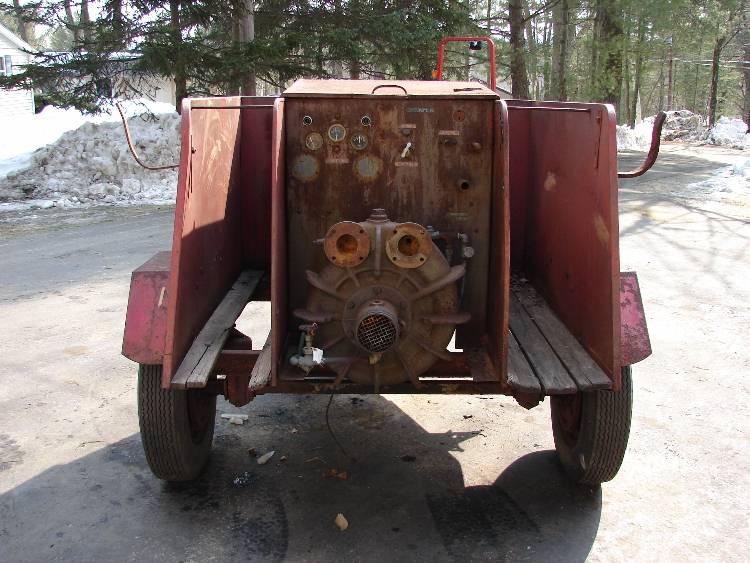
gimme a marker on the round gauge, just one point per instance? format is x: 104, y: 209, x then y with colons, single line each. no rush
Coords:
x: 314, y: 141
x: 359, y: 141
x: 337, y: 132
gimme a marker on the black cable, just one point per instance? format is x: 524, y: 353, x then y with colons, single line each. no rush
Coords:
x: 330, y: 430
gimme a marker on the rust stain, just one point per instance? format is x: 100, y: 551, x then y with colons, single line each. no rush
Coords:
x: 550, y: 182
x: 602, y: 232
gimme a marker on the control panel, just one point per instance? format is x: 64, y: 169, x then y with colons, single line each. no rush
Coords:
x: 427, y: 160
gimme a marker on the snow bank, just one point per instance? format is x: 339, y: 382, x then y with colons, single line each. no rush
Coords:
x: 685, y: 126
x: 732, y: 180
x: 637, y: 138
x: 91, y: 163
x: 730, y: 132
x: 680, y: 125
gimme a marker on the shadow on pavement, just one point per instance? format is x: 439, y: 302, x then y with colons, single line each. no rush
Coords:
x: 403, y: 495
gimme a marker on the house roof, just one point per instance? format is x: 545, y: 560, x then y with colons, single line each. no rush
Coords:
x: 13, y: 38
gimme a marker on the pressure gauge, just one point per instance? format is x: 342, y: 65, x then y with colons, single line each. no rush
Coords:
x: 336, y: 132
x: 359, y: 141
x: 314, y: 141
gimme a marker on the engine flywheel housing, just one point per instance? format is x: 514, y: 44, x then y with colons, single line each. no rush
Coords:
x: 388, y: 298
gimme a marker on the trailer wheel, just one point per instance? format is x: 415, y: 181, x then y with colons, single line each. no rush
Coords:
x: 177, y: 427
x: 591, y: 431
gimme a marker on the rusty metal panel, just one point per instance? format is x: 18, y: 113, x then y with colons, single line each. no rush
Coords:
x: 569, y: 208
x: 443, y: 181
x: 519, y: 127
x: 146, y: 318
x: 305, y: 88
x: 278, y: 242
x: 499, y: 265
x: 206, y: 248
x: 256, y: 181
x: 635, y: 341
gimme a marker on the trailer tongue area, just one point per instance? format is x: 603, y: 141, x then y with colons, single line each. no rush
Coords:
x: 411, y: 237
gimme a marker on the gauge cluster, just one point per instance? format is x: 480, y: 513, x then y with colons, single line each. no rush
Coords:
x: 336, y: 135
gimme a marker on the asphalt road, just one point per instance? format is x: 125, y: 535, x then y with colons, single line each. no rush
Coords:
x: 483, y: 483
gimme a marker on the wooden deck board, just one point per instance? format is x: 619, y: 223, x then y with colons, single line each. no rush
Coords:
x: 261, y: 374
x: 520, y: 375
x: 550, y: 371
x: 582, y: 368
x: 197, y: 364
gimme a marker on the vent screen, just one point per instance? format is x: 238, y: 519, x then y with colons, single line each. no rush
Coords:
x: 376, y: 333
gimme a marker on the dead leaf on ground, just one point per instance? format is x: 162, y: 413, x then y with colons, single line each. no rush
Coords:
x: 335, y: 474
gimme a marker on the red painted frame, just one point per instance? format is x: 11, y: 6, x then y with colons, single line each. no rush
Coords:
x: 230, y: 215
x: 563, y: 219
x: 465, y: 39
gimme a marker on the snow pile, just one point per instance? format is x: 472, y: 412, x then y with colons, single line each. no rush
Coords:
x: 732, y: 180
x: 730, y: 132
x: 92, y: 164
x: 635, y: 139
x: 680, y: 125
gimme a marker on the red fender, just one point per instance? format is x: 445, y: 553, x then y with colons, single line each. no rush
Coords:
x: 146, y: 319
x: 635, y: 344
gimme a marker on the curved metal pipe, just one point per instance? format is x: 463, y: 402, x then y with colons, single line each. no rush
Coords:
x: 132, y: 149
x: 653, y: 152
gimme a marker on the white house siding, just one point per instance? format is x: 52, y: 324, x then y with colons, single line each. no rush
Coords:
x: 14, y: 103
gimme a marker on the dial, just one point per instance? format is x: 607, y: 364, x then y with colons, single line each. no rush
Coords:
x: 314, y: 141
x: 359, y: 141
x: 337, y: 132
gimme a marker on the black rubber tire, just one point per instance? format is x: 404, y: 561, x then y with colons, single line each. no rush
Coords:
x: 177, y: 427
x: 591, y: 448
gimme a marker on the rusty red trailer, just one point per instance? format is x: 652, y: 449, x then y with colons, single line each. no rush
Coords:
x: 412, y: 237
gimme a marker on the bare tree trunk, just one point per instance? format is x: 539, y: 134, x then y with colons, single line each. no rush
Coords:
x: 85, y: 21
x: 670, y: 76
x: 25, y: 27
x: 560, y: 27
x: 355, y: 69
x: 531, y: 42
x: 638, y: 72
x: 72, y: 24
x: 694, y: 105
x: 180, y: 75
x: 518, y: 75
x: 234, y: 88
x: 117, y: 23
x: 247, y: 35
x: 609, y: 75
x: 746, y: 76
x: 713, y: 92
x: 626, y: 77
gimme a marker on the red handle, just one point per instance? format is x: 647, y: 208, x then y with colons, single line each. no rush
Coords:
x: 653, y: 151
x: 484, y: 38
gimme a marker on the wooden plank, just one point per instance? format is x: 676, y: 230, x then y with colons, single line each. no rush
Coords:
x: 261, y: 374
x: 582, y: 368
x: 520, y: 375
x: 196, y: 367
x: 549, y: 370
